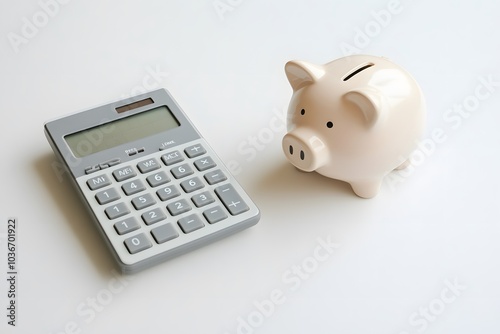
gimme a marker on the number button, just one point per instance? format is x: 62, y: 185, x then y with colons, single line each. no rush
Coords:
x: 143, y: 201
x: 133, y: 187
x: 107, y: 196
x: 168, y: 193
x: 157, y: 179
x: 126, y: 226
x: 116, y: 211
x: 153, y: 216
x: 178, y: 207
x: 181, y: 171
x: 202, y: 199
x: 192, y: 184
x: 137, y: 243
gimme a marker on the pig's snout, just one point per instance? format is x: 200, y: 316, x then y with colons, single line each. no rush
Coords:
x: 305, y: 150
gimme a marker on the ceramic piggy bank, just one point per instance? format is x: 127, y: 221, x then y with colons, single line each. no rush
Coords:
x: 354, y: 119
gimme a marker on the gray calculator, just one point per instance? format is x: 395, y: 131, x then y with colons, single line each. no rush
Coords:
x: 151, y: 182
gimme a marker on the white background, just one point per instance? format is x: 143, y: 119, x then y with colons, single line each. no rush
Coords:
x: 398, y: 254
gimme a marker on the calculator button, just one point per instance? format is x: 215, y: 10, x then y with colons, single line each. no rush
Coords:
x: 143, y: 201
x: 98, y: 182
x: 190, y: 223
x: 167, y: 193
x: 92, y: 169
x: 137, y: 243
x: 133, y: 187
x: 157, y: 179
x: 215, y: 177
x: 192, y: 184
x: 116, y: 211
x: 147, y: 166
x: 124, y: 173
x: 181, y: 171
x: 113, y: 162
x: 164, y: 233
x: 172, y: 158
x: 176, y: 208
x: 194, y: 151
x: 153, y: 216
x: 202, y: 199
x: 204, y: 163
x: 109, y: 163
x: 107, y: 196
x: 231, y: 199
x: 126, y: 226
x: 214, y: 215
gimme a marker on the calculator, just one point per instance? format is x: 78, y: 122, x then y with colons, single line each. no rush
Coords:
x: 151, y: 182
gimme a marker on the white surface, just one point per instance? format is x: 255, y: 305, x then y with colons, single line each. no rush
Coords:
x: 398, y: 253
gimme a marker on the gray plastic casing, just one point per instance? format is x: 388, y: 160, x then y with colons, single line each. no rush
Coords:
x: 173, y: 139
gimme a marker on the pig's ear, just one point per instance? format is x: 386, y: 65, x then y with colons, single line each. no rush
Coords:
x: 369, y: 101
x: 301, y: 73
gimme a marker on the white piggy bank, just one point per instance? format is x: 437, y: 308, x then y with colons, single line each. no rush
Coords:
x: 354, y: 119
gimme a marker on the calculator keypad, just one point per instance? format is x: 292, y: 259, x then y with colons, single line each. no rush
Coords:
x: 165, y: 198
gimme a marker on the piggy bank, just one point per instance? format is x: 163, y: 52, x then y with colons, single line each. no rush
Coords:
x: 354, y: 119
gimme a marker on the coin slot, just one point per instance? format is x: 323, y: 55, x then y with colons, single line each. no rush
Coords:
x: 356, y: 71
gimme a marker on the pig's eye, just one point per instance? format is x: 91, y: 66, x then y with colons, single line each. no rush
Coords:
x: 329, y: 125
x: 302, y: 112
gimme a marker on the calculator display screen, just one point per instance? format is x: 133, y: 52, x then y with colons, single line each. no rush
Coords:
x: 121, y: 131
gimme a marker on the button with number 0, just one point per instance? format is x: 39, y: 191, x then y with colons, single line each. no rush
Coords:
x: 137, y: 243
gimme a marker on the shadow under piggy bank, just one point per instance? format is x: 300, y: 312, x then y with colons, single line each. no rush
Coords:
x: 286, y: 187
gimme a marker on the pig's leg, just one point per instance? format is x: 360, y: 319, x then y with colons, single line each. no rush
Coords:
x: 403, y: 165
x: 367, y: 188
